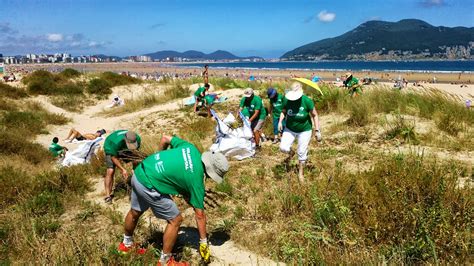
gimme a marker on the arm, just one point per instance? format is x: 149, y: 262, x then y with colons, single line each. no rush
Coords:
x: 201, y: 220
x: 165, y: 142
x: 315, y: 119
x: 117, y: 163
x: 255, y: 115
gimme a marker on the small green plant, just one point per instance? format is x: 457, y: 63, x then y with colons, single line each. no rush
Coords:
x: 401, y: 129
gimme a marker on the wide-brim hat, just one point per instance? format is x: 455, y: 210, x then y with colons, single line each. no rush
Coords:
x: 248, y: 92
x: 216, y: 165
x: 131, y: 140
x: 295, y: 92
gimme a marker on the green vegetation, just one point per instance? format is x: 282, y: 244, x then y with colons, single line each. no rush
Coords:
x: 8, y: 91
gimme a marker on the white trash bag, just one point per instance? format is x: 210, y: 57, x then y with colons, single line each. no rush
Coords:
x: 235, y: 143
x: 83, y: 153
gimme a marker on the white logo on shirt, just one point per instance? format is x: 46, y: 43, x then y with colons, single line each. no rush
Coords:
x: 188, y: 163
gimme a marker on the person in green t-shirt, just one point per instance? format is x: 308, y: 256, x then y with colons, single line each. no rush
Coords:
x: 276, y: 105
x: 352, y: 84
x: 199, y: 95
x: 179, y: 170
x: 301, y: 121
x: 257, y: 112
x: 114, y: 146
x: 56, y: 149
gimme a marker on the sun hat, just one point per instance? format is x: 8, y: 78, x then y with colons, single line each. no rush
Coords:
x: 271, y: 92
x: 131, y: 140
x: 295, y: 92
x: 248, y: 92
x: 216, y: 165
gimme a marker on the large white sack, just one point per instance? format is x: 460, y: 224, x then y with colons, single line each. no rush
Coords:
x: 83, y: 153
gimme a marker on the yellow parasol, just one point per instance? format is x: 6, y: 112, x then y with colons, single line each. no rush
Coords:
x: 309, y: 83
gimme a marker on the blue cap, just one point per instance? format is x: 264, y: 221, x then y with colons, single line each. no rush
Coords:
x: 271, y: 92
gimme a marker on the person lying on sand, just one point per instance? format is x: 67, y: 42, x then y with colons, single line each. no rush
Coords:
x: 179, y: 170
x: 74, y: 134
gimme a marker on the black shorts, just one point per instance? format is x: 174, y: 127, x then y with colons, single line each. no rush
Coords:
x: 80, y: 138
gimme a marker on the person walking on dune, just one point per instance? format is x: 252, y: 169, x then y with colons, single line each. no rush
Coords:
x: 257, y: 112
x: 301, y: 122
x: 276, y: 104
x: 179, y: 170
x: 117, y: 142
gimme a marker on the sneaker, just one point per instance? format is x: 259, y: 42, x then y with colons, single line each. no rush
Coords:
x: 172, y: 262
x: 108, y: 199
x: 275, y: 141
x: 123, y: 250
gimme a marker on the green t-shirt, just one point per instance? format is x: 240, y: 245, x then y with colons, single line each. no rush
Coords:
x: 277, y: 104
x: 115, y: 142
x: 178, y: 170
x: 209, y: 100
x: 56, y: 149
x: 298, y: 114
x: 353, y: 81
x: 199, y: 92
x: 252, y: 106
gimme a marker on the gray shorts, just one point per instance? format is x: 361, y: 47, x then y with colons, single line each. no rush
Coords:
x: 162, y: 206
x: 257, y: 124
x: 108, y: 161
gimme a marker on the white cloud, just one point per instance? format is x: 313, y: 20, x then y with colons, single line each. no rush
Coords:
x: 326, y: 16
x: 432, y: 3
x: 54, y: 37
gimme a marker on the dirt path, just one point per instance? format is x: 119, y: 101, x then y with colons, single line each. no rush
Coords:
x: 223, y: 252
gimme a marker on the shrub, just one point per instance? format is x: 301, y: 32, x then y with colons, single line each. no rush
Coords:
x: 177, y: 91
x: 99, y: 86
x: 115, y: 79
x: 12, y: 143
x: 359, y: 113
x: 40, y: 82
x: 11, y: 92
x: 401, y: 129
x: 69, y: 73
x: 69, y: 88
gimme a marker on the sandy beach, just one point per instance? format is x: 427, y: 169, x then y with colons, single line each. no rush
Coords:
x: 449, y: 82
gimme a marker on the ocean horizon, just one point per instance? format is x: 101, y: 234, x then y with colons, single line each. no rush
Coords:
x: 401, y: 66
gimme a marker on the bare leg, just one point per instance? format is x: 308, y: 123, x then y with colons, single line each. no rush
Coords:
x: 131, y: 221
x: 171, y: 234
x: 301, y: 172
x: 256, y: 135
x: 73, y: 134
x: 109, y: 181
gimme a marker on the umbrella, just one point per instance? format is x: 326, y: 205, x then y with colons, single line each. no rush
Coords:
x: 309, y: 83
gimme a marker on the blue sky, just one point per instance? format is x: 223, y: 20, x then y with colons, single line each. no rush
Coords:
x: 265, y: 28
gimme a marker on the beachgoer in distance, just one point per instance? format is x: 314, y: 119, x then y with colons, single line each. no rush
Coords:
x: 352, y: 84
x: 74, y: 134
x: 199, y: 94
x: 301, y: 122
x: 276, y: 105
x: 257, y: 113
x: 114, y: 144
x: 56, y: 149
x: 117, y: 101
x: 205, y: 74
x: 180, y: 170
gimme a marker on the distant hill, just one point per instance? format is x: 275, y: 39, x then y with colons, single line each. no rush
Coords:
x: 196, y: 55
x: 405, y: 39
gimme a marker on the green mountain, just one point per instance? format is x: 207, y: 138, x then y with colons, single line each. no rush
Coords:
x: 405, y: 39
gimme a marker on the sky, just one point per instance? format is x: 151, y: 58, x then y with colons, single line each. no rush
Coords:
x: 266, y: 28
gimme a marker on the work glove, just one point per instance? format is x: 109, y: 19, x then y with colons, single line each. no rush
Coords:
x: 280, y: 127
x: 204, y: 250
x: 318, y: 135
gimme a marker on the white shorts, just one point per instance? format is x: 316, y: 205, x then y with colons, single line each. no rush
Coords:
x: 289, y: 137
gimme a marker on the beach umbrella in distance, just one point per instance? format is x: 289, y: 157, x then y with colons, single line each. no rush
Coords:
x: 310, y: 83
x: 315, y: 79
